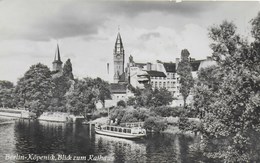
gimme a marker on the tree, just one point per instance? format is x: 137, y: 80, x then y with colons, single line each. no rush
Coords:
x: 161, y: 97
x: 103, y: 90
x: 34, y: 89
x: 184, y: 71
x: 81, y: 97
x: 67, y: 70
x: 230, y: 95
x: 148, y: 97
x: 6, y: 94
x: 62, y: 85
x: 121, y: 103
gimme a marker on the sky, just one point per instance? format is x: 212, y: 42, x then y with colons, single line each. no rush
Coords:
x: 86, y: 32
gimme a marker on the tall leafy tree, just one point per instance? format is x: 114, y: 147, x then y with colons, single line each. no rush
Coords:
x: 62, y: 84
x: 103, y: 90
x: 231, y: 95
x: 34, y: 89
x: 67, y: 70
x: 184, y: 71
x: 81, y: 97
x: 6, y: 94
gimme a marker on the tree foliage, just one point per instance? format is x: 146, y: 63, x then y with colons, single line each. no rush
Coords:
x: 67, y: 70
x: 184, y: 71
x: 84, y: 94
x: 81, y: 97
x: 149, y: 97
x: 34, y: 89
x: 103, y: 90
x: 229, y: 94
x: 6, y: 94
x: 121, y: 103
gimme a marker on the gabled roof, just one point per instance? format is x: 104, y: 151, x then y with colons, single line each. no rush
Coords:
x: 156, y: 74
x: 118, y: 88
x: 170, y: 67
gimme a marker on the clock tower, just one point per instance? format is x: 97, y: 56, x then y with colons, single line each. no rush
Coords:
x: 119, y: 58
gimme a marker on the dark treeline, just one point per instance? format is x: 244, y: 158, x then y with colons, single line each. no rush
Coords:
x: 42, y: 90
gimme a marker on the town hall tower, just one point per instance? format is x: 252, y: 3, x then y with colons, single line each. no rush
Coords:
x: 119, y: 59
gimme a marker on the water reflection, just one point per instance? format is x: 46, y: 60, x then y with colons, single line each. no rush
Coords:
x: 121, y: 149
x: 33, y: 137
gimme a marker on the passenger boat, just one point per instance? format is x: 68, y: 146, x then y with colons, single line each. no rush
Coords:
x: 121, y: 132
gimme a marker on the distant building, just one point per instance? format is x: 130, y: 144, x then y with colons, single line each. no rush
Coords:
x: 57, y: 63
x: 159, y: 74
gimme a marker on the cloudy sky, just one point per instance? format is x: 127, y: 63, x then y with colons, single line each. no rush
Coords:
x: 86, y: 31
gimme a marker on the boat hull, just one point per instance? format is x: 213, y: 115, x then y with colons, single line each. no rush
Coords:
x: 119, y: 135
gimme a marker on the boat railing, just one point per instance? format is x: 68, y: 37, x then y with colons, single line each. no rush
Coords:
x: 132, y: 124
x: 130, y: 130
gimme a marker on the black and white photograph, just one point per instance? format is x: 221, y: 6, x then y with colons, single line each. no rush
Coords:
x: 129, y: 81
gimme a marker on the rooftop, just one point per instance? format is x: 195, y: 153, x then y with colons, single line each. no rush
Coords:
x: 118, y: 87
x: 156, y: 74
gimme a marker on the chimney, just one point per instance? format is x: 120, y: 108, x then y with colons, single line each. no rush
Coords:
x: 149, y: 66
x: 177, y: 60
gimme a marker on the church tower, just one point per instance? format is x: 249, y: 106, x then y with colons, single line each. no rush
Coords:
x: 57, y: 63
x: 119, y: 59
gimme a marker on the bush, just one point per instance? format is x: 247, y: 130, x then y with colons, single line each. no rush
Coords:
x: 121, y: 103
x: 117, y: 113
x: 155, y: 124
x: 130, y: 114
x: 131, y: 101
x: 184, y: 123
x: 166, y: 111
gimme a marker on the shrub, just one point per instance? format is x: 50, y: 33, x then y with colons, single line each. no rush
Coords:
x: 184, y: 123
x: 166, y: 111
x: 131, y: 101
x: 155, y: 124
x: 121, y: 103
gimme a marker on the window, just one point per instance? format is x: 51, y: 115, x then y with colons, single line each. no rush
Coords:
x: 160, y: 84
x: 155, y: 84
x: 164, y: 84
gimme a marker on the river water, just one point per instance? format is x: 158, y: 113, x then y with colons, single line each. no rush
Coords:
x: 30, y: 141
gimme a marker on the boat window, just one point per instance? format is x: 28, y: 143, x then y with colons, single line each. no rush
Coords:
x: 115, y: 129
x: 120, y: 130
x: 124, y: 130
x: 128, y: 130
x: 112, y: 128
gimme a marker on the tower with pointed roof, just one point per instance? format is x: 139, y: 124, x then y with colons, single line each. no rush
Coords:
x: 119, y: 59
x: 57, y: 63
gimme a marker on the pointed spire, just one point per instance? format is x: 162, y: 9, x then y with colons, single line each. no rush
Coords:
x: 57, y: 57
x: 57, y: 54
